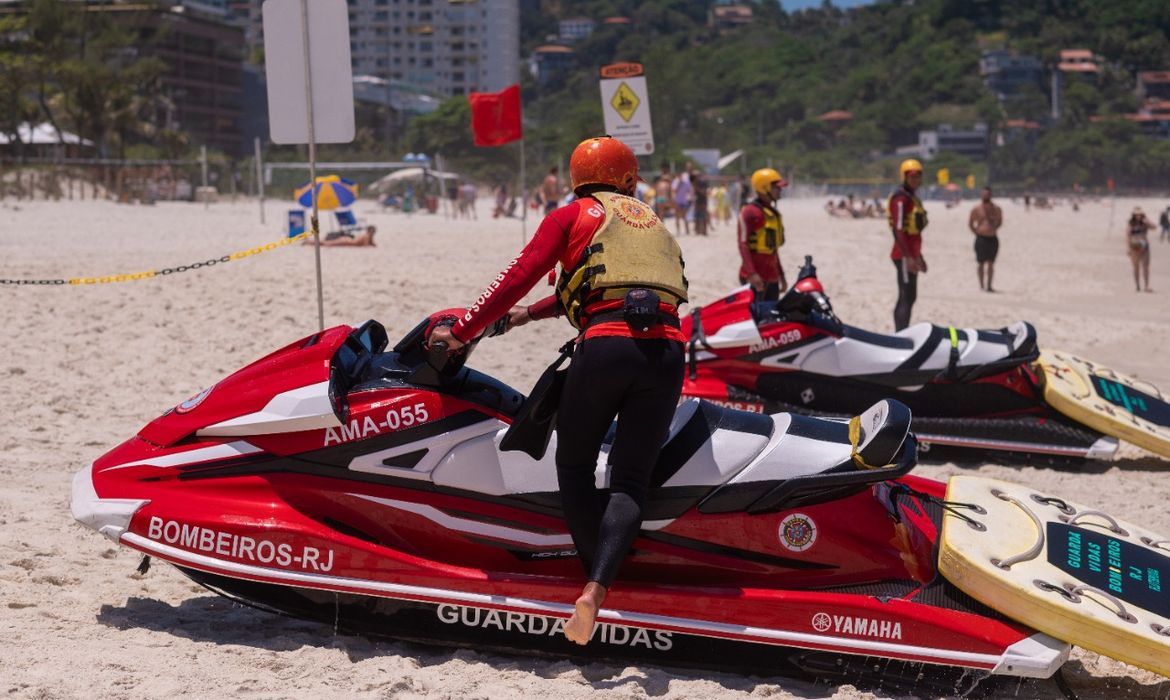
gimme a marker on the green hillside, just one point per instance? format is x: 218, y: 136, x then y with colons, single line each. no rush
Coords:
x: 898, y: 67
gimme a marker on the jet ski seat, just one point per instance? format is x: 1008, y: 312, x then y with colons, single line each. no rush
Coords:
x: 817, y: 461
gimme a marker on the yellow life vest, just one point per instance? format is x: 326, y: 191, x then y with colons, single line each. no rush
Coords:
x: 768, y: 238
x: 631, y: 249
x: 916, y: 221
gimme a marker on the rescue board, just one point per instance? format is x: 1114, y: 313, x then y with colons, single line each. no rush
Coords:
x: 1072, y: 572
x: 1112, y: 403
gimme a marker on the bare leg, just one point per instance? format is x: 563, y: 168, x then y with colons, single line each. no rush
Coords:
x: 579, y: 628
x: 982, y: 285
x: 990, y: 274
x: 1146, y: 270
x: 1137, y: 282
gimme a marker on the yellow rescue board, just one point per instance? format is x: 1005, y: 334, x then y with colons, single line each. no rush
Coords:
x: 1072, y: 572
x: 1126, y: 408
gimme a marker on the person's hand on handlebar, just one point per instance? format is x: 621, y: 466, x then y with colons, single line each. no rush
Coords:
x: 517, y: 316
x: 443, y: 333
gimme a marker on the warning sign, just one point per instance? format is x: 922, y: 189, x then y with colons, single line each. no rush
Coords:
x: 626, y: 105
x: 625, y: 101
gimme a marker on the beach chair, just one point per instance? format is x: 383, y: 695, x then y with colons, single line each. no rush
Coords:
x: 296, y: 222
x: 347, y: 223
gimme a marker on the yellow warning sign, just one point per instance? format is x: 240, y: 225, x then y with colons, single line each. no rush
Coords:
x: 625, y: 101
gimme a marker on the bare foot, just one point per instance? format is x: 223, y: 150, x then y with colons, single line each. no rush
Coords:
x: 579, y: 628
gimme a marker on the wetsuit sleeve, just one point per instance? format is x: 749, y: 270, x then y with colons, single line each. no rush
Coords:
x: 537, y: 258
x: 545, y: 308
x: 750, y: 219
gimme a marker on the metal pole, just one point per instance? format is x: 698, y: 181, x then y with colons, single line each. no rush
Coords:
x: 312, y: 161
x: 523, y: 199
x: 260, y: 178
x: 203, y: 165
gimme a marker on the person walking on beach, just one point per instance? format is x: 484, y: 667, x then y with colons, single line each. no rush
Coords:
x: 760, y: 234
x: 629, y: 357
x: 1138, y: 246
x: 907, y: 221
x: 663, y: 197
x: 986, y: 218
x: 550, y: 190
x: 1164, y: 222
x: 699, y: 207
x: 683, y: 195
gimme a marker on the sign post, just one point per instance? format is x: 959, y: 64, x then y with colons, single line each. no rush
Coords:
x: 625, y: 102
x: 310, y: 86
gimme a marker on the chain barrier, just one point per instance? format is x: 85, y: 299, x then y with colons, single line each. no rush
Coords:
x: 76, y: 281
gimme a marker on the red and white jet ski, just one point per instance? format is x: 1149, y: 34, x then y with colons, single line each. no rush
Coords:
x: 972, y: 389
x: 334, y: 480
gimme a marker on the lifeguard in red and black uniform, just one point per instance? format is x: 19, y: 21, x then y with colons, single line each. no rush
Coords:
x: 621, y: 283
x: 907, y: 221
x: 760, y: 234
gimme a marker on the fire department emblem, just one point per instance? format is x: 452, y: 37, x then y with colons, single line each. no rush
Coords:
x: 634, y: 213
x: 191, y: 403
x: 797, y: 532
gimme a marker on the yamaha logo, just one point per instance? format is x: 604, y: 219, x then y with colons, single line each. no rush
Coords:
x: 821, y: 622
x: 857, y: 626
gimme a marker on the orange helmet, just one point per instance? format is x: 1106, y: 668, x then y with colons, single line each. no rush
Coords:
x: 603, y: 161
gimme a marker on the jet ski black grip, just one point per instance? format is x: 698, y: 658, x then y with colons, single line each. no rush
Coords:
x: 437, y: 355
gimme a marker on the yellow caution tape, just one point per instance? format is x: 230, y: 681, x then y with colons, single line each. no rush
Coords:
x: 79, y: 281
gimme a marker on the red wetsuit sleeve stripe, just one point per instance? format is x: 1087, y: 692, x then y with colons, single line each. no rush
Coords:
x: 510, y: 286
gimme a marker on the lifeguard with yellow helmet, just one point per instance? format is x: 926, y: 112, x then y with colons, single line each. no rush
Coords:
x: 760, y: 235
x: 907, y: 222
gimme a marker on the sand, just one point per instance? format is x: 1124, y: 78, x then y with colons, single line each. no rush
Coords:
x: 86, y: 367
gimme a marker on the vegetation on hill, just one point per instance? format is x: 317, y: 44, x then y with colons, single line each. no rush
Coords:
x: 897, y: 67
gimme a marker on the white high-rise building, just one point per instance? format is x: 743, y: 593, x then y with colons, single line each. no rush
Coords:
x: 447, y: 47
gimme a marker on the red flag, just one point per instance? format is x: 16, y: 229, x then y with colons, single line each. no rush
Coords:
x: 495, y: 116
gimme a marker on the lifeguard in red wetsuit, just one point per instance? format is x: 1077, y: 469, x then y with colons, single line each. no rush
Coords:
x: 907, y: 221
x: 760, y: 234
x: 621, y: 283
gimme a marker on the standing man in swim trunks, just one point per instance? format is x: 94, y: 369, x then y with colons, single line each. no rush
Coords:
x: 550, y: 190
x: 907, y: 221
x: 621, y: 284
x: 986, y: 218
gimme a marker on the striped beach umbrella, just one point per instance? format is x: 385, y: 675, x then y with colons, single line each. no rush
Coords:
x: 332, y: 191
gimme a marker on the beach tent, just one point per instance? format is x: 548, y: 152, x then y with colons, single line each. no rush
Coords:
x: 42, y: 135
x: 399, y: 178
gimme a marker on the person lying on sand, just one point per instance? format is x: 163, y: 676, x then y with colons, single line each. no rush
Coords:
x: 340, y: 239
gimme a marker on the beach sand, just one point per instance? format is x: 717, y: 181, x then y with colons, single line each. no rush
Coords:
x: 85, y: 367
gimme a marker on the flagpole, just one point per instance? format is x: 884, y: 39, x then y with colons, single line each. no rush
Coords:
x: 312, y: 161
x: 523, y: 199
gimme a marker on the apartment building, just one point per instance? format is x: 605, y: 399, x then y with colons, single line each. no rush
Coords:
x: 446, y: 47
